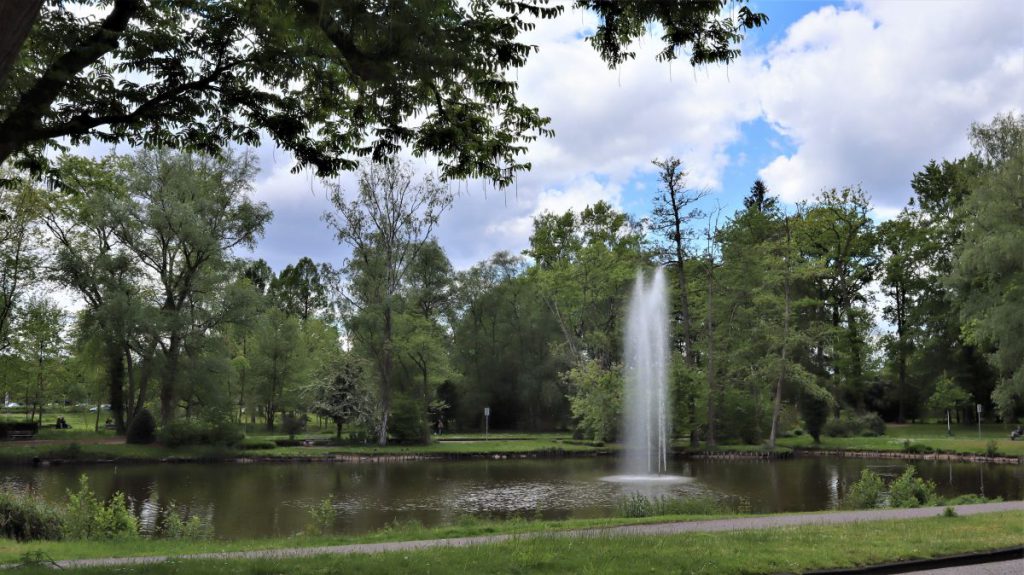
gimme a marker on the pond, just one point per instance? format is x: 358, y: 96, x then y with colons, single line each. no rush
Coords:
x: 273, y: 499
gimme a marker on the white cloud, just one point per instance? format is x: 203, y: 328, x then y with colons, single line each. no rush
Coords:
x: 865, y: 94
x: 870, y: 93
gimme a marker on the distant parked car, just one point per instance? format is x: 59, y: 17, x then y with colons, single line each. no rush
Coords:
x: 12, y: 404
x: 105, y: 407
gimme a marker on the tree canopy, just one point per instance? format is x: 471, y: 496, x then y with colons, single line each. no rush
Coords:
x: 331, y: 81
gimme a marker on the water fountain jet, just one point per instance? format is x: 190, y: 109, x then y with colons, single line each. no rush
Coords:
x: 647, y: 421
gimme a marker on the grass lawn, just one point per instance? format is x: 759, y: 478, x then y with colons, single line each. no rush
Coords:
x: 80, y: 448
x: 469, y: 526
x: 924, y: 435
x: 756, y: 551
x: 919, y: 436
x: 83, y: 424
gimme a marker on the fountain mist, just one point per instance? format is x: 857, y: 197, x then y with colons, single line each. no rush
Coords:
x: 646, y: 423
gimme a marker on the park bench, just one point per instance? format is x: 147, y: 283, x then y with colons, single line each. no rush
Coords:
x: 21, y: 434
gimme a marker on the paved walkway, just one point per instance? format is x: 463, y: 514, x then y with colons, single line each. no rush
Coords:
x: 1015, y: 567
x: 736, y: 524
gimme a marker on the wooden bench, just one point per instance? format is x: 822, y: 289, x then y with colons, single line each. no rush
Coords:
x: 21, y: 434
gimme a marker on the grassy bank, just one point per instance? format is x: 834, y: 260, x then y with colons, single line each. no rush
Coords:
x: 12, y: 452
x: 469, y: 526
x: 921, y: 438
x: 763, y: 551
x: 84, y: 444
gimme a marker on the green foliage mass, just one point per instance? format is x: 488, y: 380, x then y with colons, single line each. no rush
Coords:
x: 86, y: 517
x: 329, y: 81
x: 596, y: 399
x: 771, y: 307
x: 24, y: 517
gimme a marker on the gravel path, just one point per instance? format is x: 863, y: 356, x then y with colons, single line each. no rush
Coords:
x: 767, y: 522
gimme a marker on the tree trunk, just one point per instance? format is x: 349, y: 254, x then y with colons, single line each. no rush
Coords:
x: 167, y: 383
x: 711, y: 440
x: 115, y: 370
x: 902, y: 351
x: 385, y: 378
x: 16, y: 20
x: 777, y: 404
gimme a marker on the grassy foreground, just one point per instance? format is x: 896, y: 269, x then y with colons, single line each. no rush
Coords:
x: 469, y: 526
x: 791, y: 549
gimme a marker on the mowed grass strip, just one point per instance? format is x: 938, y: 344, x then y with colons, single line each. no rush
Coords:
x: 12, y: 452
x: 897, y: 437
x: 469, y: 526
x: 792, y: 549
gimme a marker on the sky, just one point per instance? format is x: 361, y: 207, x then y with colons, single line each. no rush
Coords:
x: 827, y: 94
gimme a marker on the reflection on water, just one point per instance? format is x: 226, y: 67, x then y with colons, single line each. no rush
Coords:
x: 249, y: 500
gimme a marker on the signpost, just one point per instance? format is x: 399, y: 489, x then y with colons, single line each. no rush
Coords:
x: 487, y: 420
x: 979, y: 421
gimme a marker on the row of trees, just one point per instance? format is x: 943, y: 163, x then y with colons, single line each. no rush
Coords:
x: 779, y: 315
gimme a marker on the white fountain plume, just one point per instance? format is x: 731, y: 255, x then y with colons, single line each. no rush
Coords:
x: 646, y: 424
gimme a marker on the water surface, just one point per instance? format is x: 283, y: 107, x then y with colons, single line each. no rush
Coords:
x: 272, y: 499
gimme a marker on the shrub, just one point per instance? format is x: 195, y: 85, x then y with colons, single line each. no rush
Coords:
x: 909, y: 490
x: 86, y: 517
x: 179, y: 433
x: 27, y: 518
x: 142, y: 429
x: 595, y: 398
x: 634, y: 505
x: 408, y: 423
x: 323, y: 516
x: 256, y: 443
x: 639, y: 505
x: 853, y: 425
x: 179, y: 526
x: 992, y: 448
x: 910, y: 447
x: 865, y: 493
x: 970, y: 499
x: 814, y: 410
x: 293, y: 424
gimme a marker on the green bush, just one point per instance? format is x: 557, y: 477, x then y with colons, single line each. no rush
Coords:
x: 177, y: 525
x: 634, y: 505
x: 970, y: 499
x: 910, y: 447
x: 293, y: 424
x: 814, y: 410
x: 323, y: 516
x: 142, y: 429
x: 992, y: 448
x: 639, y: 505
x: 27, y: 518
x: 595, y: 399
x: 191, y: 432
x: 86, y: 517
x: 909, y: 490
x: 854, y: 425
x: 256, y: 443
x: 866, y: 493
x: 408, y: 423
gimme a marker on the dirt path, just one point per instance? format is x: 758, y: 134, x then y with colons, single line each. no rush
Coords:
x: 742, y: 523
